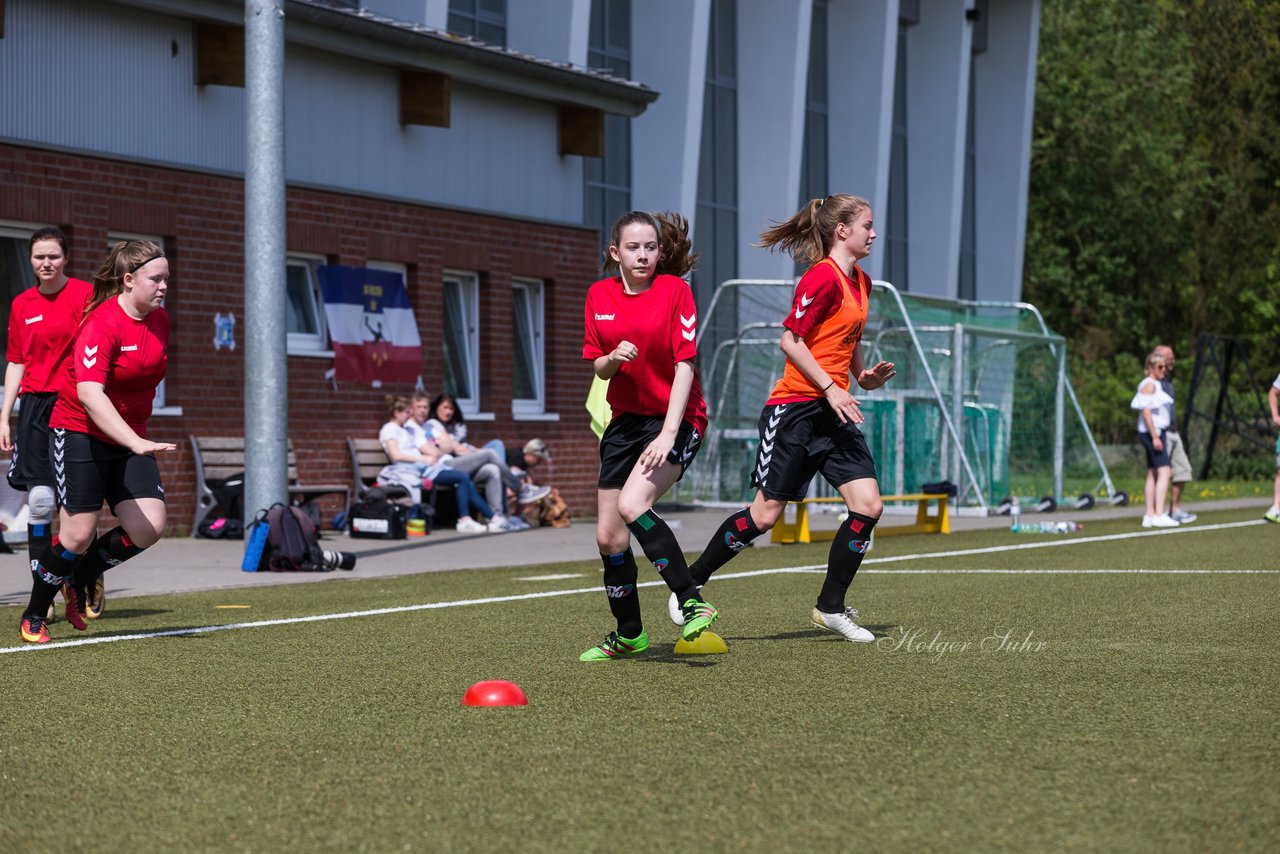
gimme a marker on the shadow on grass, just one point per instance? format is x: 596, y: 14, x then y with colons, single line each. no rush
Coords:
x: 815, y: 633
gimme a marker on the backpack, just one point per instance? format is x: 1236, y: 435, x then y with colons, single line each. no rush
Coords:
x: 291, y: 542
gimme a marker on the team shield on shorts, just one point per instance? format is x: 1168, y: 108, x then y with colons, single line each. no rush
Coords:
x: 628, y: 435
x: 92, y: 471
x: 30, y: 464
x: 799, y: 440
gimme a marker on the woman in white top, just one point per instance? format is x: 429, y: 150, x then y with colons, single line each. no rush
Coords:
x: 1153, y: 404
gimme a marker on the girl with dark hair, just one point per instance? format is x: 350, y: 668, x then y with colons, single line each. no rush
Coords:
x: 42, y: 325
x: 809, y: 423
x: 99, y: 430
x: 640, y: 325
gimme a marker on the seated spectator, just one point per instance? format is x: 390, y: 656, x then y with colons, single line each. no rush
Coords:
x: 409, y: 465
x: 524, y: 462
x: 445, y: 424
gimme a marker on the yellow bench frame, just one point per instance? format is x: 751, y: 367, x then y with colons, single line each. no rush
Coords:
x: 926, y: 522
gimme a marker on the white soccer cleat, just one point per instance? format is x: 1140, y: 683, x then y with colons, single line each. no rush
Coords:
x: 674, y: 611
x: 842, y: 624
x: 1164, y: 520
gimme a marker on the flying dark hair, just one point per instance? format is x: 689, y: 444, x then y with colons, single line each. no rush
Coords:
x: 675, y: 257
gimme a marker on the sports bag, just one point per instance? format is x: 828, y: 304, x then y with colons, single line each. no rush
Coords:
x: 378, y: 519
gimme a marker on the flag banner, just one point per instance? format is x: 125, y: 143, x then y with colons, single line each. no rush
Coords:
x: 375, y: 337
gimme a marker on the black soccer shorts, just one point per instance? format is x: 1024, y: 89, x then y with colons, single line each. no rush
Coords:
x: 628, y: 435
x: 799, y: 440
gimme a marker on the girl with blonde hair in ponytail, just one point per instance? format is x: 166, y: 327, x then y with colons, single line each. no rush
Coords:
x: 809, y: 424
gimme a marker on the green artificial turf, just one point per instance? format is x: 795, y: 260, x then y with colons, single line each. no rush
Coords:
x: 998, y: 710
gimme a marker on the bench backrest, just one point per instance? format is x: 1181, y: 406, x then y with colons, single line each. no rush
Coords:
x: 367, y: 459
x: 219, y: 457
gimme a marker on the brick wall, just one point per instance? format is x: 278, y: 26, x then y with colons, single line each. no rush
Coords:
x: 201, y: 217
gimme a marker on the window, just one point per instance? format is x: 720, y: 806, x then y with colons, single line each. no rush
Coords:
x: 485, y: 20
x: 716, y: 228
x: 462, y: 338
x: 15, y: 272
x: 308, y: 334
x: 895, y: 230
x: 158, y: 406
x: 528, y: 374
x: 608, y: 178
x: 813, y: 163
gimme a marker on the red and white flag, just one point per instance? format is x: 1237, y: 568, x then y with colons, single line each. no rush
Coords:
x: 371, y: 324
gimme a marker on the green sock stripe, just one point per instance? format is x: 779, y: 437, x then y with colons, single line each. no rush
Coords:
x: 645, y: 521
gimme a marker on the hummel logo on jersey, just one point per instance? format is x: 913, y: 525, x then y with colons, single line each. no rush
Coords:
x: 36, y: 319
x: 606, y: 316
x: 128, y: 347
x: 690, y: 330
x: 90, y: 356
x: 805, y: 299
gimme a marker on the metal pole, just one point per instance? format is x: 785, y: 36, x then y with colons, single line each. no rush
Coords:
x: 957, y: 405
x: 1059, y: 408
x: 266, y: 389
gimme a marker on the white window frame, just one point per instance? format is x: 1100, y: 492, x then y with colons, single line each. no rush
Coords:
x: 13, y: 230
x: 158, y: 406
x: 469, y: 286
x: 535, y: 317
x: 309, y: 343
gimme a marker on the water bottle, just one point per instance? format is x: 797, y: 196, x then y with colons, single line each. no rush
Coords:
x: 255, y: 543
x: 1015, y: 515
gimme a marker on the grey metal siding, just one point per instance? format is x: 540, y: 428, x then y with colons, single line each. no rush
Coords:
x: 123, y: 86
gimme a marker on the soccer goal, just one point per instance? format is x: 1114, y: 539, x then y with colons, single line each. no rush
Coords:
x: 981, y: 399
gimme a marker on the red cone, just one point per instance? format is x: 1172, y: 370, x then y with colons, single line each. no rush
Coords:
x: 495, y: 692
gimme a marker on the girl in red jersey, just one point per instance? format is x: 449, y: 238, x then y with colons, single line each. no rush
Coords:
x: 42, y: 324
x: 640, y: 329
x: 99, y: 432
x: 809, y: 423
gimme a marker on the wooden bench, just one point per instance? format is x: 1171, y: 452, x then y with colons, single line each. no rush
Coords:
x: 220, y: 457
x: 926, y: 523
x: 368, y: 458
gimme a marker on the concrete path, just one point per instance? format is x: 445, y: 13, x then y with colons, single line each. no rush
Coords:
x: 180, y: 564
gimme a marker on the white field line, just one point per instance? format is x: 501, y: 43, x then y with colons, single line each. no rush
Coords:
x: 814, y: 568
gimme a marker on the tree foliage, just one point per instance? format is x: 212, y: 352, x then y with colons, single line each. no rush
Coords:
x: 1154, y: 207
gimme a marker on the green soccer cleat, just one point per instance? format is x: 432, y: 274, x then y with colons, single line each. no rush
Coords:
x: 616, y: 647
x: 1271, y: 516
x: 697, y: 617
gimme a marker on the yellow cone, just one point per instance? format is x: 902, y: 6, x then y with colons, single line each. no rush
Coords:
x: 707, y: 643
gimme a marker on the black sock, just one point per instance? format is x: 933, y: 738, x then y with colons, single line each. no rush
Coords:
x: 51, y: 570
x: 111, y: 549
x: 660, y: 547
x: 620, y: 576
x: 39, y: 537
x: 847, y: 551
x: 734, y: 535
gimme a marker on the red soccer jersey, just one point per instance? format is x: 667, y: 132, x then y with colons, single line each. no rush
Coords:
x: 41, y: 329
x: 829, y: 311
x: 127, y: 356
x: 662, y: 322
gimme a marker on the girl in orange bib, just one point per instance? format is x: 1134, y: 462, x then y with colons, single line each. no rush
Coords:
x: 810, y: 421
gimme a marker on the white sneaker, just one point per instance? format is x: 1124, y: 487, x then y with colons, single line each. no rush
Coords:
x: 529, y: 493
x: 469, y: 526
x: 1146, y: 521
x: 1163, y: 521
x: 498, y: 524
x: 842, y: 624
x: 674, y: 611
x: 1182, y: 517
